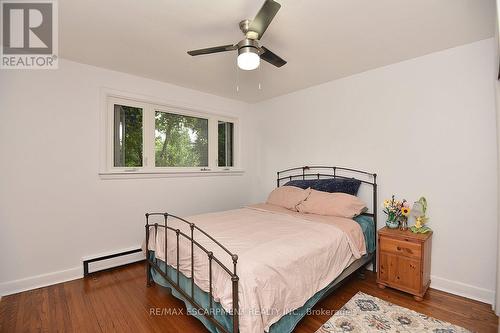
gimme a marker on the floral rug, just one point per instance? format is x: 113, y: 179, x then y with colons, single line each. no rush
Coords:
x: 364, y: 313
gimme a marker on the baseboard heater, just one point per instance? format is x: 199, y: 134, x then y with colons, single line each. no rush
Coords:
x: 111, y: 261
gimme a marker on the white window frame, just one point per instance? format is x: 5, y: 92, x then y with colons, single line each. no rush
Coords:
x: 149, y: 107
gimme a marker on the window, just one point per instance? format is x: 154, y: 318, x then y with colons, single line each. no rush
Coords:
x: 127, y: 136
x: 180, y: 141
x: 145, y: 137
x: 225, y: 142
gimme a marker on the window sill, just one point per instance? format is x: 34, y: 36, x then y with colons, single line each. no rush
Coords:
x: 167, y: 174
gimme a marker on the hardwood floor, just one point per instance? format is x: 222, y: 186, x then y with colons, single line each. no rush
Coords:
x: 119, y: 301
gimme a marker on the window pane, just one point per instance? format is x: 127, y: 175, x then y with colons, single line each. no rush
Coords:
x: 127, y: 136
x: 180, y: 141
x: 226, y: 135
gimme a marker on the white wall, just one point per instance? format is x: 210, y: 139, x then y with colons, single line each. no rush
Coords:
x: 497, y: 290
x: 54, y: 208
x: 497, y: 104
x: 427, y: 127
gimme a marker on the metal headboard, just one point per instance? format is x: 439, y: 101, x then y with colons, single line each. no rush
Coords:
x: 325, y: 172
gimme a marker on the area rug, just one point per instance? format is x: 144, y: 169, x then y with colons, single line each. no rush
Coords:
x: 364, y: 313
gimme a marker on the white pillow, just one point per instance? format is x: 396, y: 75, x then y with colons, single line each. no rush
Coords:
x: 288, y: 196
x: 334, y: 204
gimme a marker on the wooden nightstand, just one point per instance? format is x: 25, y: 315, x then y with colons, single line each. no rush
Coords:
x: 404, y: 261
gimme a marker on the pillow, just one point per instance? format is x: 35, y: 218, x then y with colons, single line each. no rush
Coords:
x: 343, y: 185
x: 306, y: 183
x: 288, y: 196
x: 334, y: 204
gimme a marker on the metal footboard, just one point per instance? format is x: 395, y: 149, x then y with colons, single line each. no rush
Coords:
x: 152, y: 264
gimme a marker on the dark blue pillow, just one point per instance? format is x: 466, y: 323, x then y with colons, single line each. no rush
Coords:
x: 343, y: 185
x: 303, y: 184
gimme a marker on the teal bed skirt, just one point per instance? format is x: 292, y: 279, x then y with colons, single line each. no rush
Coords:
x: 286, y: 324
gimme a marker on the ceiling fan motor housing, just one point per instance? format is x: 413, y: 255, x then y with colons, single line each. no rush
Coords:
x: 248, y: 45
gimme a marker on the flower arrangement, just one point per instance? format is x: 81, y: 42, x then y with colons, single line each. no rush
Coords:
x: 397, y: 212
x: 405, y: 213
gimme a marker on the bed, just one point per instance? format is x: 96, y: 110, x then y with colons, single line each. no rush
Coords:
x: 260, y: 268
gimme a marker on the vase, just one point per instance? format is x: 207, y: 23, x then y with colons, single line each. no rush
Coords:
x: 392, y: 224
x: 404, y: 225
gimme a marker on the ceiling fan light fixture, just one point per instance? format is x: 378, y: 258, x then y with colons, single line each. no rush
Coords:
x: 248, y: 58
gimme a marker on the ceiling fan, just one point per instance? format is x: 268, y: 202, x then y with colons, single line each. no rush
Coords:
x: 249, y: 51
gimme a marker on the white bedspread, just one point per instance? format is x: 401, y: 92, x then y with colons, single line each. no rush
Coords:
x: 284, y: 257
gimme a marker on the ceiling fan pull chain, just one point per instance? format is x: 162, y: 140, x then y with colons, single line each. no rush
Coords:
x: 237, y: 79
x: 260, y: 78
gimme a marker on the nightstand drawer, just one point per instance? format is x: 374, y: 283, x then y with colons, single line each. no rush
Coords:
x: 408, y: 249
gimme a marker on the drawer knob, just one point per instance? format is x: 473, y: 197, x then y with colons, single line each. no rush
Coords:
x: 404, y: 249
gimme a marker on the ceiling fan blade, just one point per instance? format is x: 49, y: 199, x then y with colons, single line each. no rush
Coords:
x: 215, y: 49
x: 272, y: 58
x: 264, y: 17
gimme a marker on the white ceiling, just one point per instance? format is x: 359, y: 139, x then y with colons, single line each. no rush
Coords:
x: 322, y: 40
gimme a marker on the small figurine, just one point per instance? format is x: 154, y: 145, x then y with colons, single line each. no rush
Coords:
x: 417, y: 216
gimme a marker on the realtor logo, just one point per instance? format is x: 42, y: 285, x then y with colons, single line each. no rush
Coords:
x: 29, y: 34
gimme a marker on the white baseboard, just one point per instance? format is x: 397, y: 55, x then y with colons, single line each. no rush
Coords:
x: 38, y: 281
x: 463, y: 289
x: 43, y: 280
x: 115, y: 262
